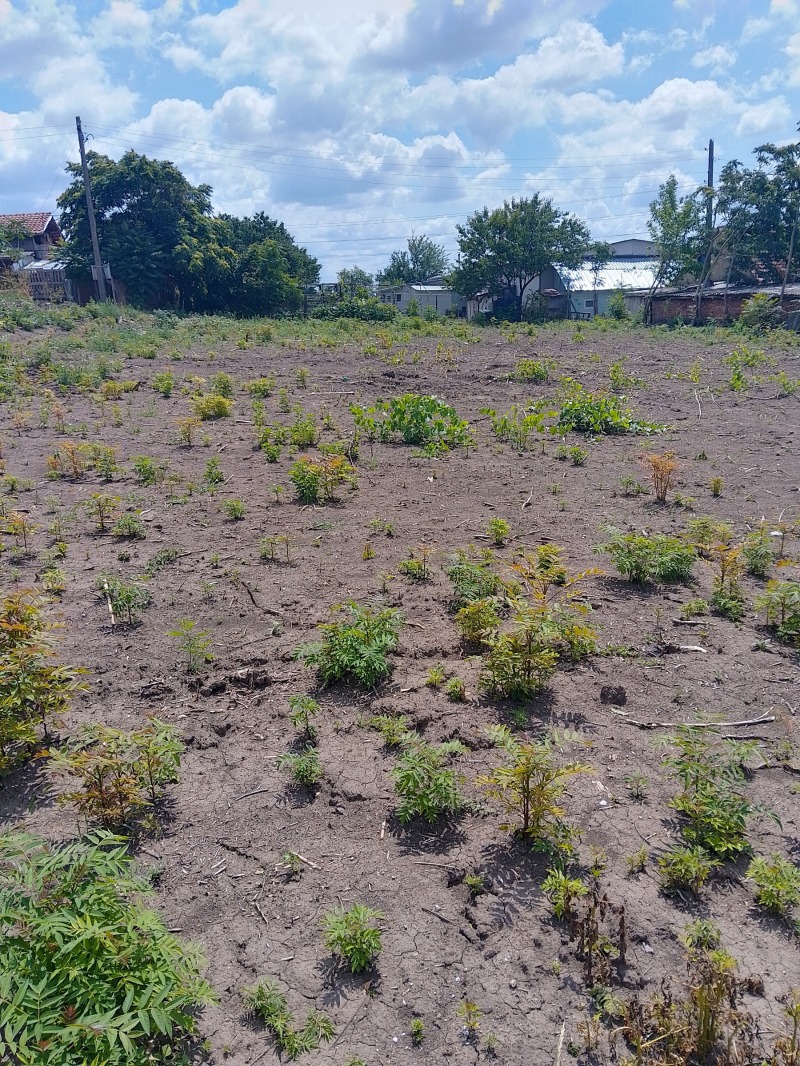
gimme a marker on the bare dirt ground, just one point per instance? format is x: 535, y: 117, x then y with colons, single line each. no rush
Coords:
x: 232, y: 815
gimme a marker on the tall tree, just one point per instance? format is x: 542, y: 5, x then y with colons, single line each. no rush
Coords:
x: 424, y: 259
x: 165, y: 246
x: 677, y: 228
x: 599, y: 256
x: 145, y: 209
x: 504, y: 250
x: 354, y: 283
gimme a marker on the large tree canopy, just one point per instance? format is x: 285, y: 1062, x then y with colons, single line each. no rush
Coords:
x: 503, y: 251
x: 423, y: 259
x: 163, y: 243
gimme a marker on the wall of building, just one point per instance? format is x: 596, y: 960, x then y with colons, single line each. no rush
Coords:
x: 675, y: 307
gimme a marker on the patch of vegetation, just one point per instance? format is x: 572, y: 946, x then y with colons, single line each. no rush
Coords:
x: 88, y: 973
x: 356, y: 647
x: 424, y: 420
x: 271, y: 1006
x: 643, y: 558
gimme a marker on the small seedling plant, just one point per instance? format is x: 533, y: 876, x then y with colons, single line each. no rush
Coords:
x: 777, y: 883
x: 194, y: 643
x: 304, y: 766
x: 355, y: 647
x: 424, y: 780
x: 353, y: 935
x: 120, y: 773
x: 302, y: 709
x: 530, y: 785
x: 562, y: 891
x: 780, y: 603
x: 266, y: 1000
x: 318, y: 480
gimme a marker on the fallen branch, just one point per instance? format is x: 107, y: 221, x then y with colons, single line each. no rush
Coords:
x: 699, y: 408
x: 691, y: 622
x: 436, y: 914
x: 702, y: 725
x: 441, y: 865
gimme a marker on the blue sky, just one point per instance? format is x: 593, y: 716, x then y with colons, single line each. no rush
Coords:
x: 359, y: 122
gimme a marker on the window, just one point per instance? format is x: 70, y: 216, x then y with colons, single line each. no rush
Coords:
x: 398, y: 297
x: 589, y: 303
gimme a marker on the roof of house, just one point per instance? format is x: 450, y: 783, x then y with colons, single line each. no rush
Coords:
x: 618, y: 274
x: 35, y: 222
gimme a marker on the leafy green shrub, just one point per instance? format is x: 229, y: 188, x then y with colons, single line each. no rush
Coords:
x: 33, y: 690
x: 88, y: 974
x: 127, y: 598
x: 531, y: 370
x: 777, y: 883
x: 304, y: 766
x: 423, y: 420
x: 317, y: 480
x: 352, y: 934
x: 530, y: 786
x: 471, y: 578
x: 210, y: 407
x: 562, y: 890
x: 370, y: 310
x: 303, y: 432
x: 760, y: 313
x: 149, y: 471
x: 234, y: 510
x: 757, y: 552
x: 498, y: 531
x: 222, y: 385
x: 685, y: 867
x: 616, y: 308
x: 266, y: 1000
x: 426, y: 785
x: 301, y: 710
x: 598, y: 413
x: 781, y: 605
x: 213, y: 474
x: 130, y: 526
x: 261, y: 387
x: 712, y: 799
x: 122, y: 773
x: 194, y: 643
x: 478, y: 621
x: 355, y: 648
x: 655, y: 558
x: 392, y: 728
x: 518, y: 424
x: 164, y: 383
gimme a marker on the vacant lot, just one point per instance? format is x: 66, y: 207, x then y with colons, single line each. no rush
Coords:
x: 465, y: 918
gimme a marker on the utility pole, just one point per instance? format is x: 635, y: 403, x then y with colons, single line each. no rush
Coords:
x: 98, y: 261
x: 710, y: 183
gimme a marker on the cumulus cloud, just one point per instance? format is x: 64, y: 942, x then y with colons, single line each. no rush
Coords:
x: 718, y: 59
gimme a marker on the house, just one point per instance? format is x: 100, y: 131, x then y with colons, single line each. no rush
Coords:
x: 42, y: 234
x: 719, y: 303
x: 433, y: 293
x: 581, y: 292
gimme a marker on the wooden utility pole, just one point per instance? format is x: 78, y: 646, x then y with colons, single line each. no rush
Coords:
x: 710, y: 183
x: 98, y: 261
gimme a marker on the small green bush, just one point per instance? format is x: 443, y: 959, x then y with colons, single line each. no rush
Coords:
x: 210, y: 407
x: 777, y: 883
x: 266, y: 1000
x: 356, y: 647
x: 426, y: 784
x: 781, y: 605
x: 353, y: 935
x: 655, y: 558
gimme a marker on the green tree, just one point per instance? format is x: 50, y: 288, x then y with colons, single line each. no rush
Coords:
x: 354, y: 283
x: 145, y: 210
x: 88, y: 973
x: 424, y: 259
x: 676, y: 227
x: 501, y: 252
x: 600, y: 255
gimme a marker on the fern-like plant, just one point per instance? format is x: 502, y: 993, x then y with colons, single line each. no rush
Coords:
x: 88, y: 973
x: 355, y: 647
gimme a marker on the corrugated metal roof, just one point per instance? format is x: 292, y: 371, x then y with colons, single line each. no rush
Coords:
x: 34, y: 221
x: 630, y: 274
x: 430, y: 288
x: 51, y: 265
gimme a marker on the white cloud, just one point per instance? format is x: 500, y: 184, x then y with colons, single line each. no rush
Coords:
x: 718, y: 59
x: 792, y: 51
x: 123, y: 24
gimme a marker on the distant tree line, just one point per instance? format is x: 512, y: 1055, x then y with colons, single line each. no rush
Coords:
x: 169, y: 249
